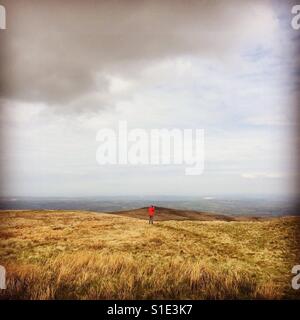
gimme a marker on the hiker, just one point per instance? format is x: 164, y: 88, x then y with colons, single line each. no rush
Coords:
x: 151, y: 211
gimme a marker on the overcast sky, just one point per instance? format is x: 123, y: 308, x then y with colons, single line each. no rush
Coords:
x: 69, y: 69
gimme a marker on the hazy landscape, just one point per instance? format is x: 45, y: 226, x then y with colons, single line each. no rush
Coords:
x: 109, y: 107
x: 59, y: 254
x: 233, y: 205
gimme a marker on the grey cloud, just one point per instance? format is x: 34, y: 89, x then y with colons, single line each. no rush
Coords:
x: 52, y: 51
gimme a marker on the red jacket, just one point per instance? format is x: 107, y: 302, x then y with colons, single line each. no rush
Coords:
x: 151, y: 211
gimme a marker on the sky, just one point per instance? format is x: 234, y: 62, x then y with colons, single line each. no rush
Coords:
x: 70, y: 69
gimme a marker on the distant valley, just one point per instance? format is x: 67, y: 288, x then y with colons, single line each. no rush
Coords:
x: 221, y: 205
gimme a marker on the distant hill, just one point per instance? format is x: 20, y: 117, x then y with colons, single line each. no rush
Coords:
x: 164, y: 214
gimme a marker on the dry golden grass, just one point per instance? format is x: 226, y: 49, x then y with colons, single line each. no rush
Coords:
x: 81, y: 255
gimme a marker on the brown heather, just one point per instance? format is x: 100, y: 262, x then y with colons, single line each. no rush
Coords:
x: 83, y: 255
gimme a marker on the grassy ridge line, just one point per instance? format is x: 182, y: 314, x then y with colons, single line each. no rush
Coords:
x: 82, y: 255
x: 165, y: 214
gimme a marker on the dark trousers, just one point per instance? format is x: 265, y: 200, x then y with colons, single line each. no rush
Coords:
x: 150, y: 220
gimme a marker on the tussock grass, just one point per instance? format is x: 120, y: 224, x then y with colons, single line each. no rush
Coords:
x: 78, y: 255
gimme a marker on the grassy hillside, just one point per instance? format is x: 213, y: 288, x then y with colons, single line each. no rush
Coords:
x: 164, y: 214
x: 81, y: 255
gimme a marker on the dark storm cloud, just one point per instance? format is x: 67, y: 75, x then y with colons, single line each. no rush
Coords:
x: 56, y: 52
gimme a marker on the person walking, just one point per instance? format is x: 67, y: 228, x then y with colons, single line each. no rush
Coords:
x: 151, y: 211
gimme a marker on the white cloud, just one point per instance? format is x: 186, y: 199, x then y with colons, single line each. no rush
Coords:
x: 262, y: 175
